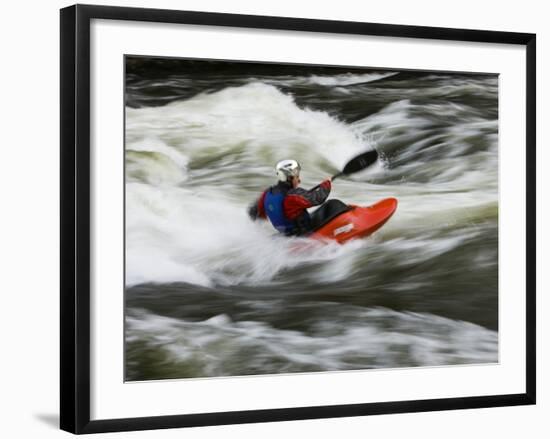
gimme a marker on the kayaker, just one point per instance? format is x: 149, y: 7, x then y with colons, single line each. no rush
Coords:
x: 285, y: 203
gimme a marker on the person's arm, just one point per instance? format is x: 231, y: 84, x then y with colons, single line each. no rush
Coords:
x: 300, y: 199
x: 320, y: 193
x: 256, y: 209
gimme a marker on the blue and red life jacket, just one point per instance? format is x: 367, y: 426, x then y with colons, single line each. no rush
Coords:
x: 273, y: 207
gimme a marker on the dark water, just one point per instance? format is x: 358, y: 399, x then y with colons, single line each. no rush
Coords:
x: 210, y: 293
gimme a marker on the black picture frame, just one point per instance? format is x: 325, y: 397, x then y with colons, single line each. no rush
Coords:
x: 75, y: 213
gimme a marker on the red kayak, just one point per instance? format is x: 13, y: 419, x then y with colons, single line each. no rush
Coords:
x: 357, y: 222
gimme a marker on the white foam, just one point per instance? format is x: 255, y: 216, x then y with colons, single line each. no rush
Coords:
x: 371, y: 337
x: 349, y: 78
x: 257, y: 115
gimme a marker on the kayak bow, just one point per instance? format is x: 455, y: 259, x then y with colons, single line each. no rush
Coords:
x: 358, y: 222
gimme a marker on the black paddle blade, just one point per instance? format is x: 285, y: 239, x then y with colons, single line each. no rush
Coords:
x: 360, y: 162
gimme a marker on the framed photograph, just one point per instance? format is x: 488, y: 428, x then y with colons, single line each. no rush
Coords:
x: 275, y: 218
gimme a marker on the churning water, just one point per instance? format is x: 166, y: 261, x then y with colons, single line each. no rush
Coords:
x: 210, y: 293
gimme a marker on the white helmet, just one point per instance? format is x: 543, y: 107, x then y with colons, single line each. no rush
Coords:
x: 287, y: 169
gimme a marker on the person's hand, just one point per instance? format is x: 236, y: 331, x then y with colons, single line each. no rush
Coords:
x: 326, y: 184
x: 253, y: 212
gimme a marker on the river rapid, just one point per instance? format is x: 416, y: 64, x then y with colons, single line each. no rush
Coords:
x: 211, y: 293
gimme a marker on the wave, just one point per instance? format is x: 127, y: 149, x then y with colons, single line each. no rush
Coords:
x: 368, y: 338
x: 341, y: 80
x: 255, y: 122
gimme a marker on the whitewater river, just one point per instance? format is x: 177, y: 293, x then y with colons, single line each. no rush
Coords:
x: 210, y: 293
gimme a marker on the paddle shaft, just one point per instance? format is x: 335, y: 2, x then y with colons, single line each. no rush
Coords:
x: 356, y: 164
x: 332, y: 179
